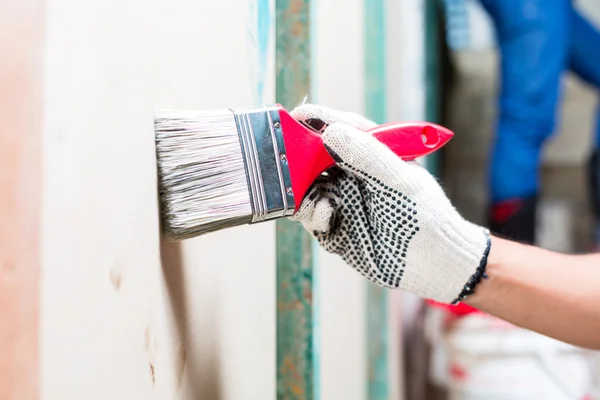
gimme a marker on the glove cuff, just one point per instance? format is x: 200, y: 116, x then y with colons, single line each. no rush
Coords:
x: 450, y: 263
x: 479, y: 274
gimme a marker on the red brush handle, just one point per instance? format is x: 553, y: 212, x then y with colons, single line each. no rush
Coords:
x: 308, y: 158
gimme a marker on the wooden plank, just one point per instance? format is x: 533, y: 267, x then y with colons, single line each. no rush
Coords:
x: 117, y: 325
x: 375, y: 109
x: 296, y: 355
x: 21, y: 44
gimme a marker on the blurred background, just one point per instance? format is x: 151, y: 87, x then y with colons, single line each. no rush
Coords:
x: 513, y: 81
x: 93, y: 304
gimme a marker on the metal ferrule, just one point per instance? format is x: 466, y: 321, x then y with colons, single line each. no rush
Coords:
x: 267, y: 168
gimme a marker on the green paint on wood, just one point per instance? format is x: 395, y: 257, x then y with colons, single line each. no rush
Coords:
x: 377, y: 345
x: 296, y: 353
x: 431, y: 73
x: 431, y: 61
x: 375, y: 107
x: 375, y: 71
x: 292, y: 51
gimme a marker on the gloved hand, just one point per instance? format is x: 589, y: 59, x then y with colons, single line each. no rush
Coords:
x: 388, y: 218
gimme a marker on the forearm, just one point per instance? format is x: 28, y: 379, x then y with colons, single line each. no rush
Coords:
x: 555, y: 294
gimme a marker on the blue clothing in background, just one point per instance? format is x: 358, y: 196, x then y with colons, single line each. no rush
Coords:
x: 538, y: 41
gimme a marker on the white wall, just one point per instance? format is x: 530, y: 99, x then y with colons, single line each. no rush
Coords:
x: 114, y: 324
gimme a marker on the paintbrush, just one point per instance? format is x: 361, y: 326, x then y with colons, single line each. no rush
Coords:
x: 223, y: 168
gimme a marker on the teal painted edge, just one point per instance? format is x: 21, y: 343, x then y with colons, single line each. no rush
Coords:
x: 375, y: 109
x: 377, y: 343
x: 296, y: 353
x: 316, y: 326
x: 375, y: 71
x: 431, y: 74
x: 263, y: 33
x: 313, y: 42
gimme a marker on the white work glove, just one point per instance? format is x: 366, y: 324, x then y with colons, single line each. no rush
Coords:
x: 387, y: 218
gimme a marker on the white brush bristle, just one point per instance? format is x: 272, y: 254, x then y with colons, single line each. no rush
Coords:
x: 201, y: 171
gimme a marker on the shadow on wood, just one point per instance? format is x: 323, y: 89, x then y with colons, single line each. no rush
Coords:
x: 204, y: 373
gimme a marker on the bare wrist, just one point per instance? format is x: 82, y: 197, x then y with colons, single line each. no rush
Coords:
x: 501, y: 272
